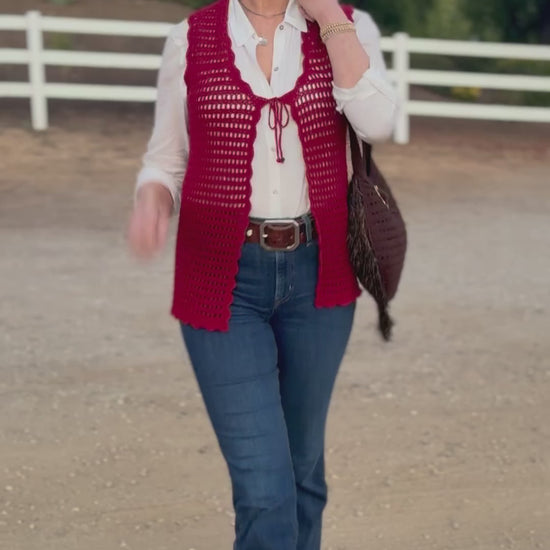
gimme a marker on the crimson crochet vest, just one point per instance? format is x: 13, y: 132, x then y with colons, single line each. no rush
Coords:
x: 215, y: 201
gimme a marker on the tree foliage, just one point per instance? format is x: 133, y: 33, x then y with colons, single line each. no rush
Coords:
x: 511, y: 20
x: 502, y: 20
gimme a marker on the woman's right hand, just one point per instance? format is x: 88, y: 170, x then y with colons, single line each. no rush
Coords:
x: 148, y: 227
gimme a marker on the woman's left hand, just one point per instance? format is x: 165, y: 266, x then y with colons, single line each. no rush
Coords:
x: 316, y: 10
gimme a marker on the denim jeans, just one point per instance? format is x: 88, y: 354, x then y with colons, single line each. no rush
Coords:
x: 266, y: 384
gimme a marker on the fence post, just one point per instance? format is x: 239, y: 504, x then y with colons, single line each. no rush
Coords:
x: 401, y: 65
x: 37, y: 73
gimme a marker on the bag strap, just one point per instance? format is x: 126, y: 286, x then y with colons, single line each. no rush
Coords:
x: 361, y: 161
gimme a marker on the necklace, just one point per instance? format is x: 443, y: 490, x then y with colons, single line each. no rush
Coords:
x: 261, y: 14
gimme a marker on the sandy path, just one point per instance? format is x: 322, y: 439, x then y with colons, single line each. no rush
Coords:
x: 438, y: 441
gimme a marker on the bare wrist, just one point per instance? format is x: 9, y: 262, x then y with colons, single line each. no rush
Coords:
x: 159, y: 193
x: 334, y: 14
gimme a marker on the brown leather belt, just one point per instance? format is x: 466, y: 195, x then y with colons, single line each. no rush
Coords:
x: 280, y: 235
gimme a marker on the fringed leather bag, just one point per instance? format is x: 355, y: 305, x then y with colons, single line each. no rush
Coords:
x: 377, y: 237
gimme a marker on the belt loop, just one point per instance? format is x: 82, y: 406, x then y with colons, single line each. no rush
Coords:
x: 306, y: 218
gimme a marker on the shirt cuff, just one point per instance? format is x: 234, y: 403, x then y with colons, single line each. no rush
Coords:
x: 371, y: 83
x: 150, y: 174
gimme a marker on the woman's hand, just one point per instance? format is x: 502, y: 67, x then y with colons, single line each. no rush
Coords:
x: 149, y: 221
x: 322, y: 11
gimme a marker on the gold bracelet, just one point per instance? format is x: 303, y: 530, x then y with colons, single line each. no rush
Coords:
x: 336, y: 28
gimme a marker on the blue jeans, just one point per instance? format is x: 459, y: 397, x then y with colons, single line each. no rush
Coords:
x: 266, y: 384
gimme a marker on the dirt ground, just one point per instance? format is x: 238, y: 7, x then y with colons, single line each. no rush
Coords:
x: 436, y: 441
x: 439, y: 440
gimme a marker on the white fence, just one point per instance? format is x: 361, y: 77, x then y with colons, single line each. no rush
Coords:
x: 400, y: 45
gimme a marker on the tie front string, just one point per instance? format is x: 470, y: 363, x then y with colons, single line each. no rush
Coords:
x: 279, y: 117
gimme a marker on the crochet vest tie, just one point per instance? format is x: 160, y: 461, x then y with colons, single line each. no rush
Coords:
x: 223, y: 113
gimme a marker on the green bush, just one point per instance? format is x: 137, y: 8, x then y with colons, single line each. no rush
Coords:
x: 59, y: 41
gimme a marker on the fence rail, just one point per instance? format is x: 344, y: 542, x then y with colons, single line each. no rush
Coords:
x: 400, y: 45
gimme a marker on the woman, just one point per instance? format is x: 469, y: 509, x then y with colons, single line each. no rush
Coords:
x: 248, y: 116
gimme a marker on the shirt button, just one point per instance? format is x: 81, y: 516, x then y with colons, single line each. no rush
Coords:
x: 281, y: 27
x: 275, y: 192
x: 276, y: 68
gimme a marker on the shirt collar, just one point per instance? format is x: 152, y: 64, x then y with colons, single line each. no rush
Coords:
x: 241, y: 28
x: 294, y: 16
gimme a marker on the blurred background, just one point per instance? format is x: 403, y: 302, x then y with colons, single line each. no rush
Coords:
x: 436, y: 441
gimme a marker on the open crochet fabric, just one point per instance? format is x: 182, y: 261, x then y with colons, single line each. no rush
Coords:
x: 215, y: 202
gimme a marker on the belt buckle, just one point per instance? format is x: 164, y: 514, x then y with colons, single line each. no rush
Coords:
x: 287, y: 223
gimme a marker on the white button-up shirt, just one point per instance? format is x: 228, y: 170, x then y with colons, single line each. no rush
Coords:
x: 279, y: 190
